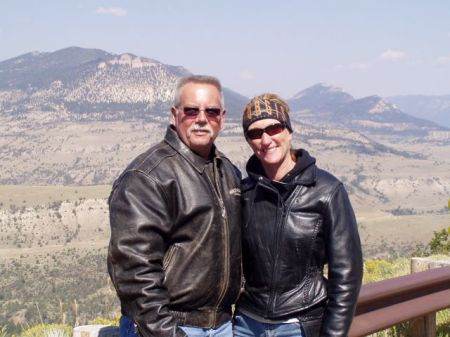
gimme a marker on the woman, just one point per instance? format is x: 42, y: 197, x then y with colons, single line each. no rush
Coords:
x: 297, y: 218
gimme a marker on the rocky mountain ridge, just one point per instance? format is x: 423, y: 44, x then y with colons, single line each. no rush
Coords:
x: 323, y: 104
x: 433, y: 108
x: 89, y: 84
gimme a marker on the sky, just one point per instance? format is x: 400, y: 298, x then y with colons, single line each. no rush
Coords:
x: 365, y: 47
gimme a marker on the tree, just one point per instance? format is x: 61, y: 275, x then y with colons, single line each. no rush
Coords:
x: 440, y: 243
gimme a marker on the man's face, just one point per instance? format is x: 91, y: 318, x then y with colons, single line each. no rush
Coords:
x: 199, y: 117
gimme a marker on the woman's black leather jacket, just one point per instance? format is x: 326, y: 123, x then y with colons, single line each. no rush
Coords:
x: 286, y: 243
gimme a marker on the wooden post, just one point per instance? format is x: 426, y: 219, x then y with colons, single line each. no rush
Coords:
x: 425, y: 326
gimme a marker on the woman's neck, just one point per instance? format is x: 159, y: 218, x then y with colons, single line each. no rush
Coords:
x: 277, y: 172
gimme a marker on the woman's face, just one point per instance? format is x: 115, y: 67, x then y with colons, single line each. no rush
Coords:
x: 274, y: 150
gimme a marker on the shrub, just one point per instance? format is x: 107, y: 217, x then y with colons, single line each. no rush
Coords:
x: 105, y: 321
x: 439, y: 244
x: 378, y: 270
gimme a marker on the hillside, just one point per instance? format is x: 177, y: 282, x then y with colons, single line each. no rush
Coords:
x: 88, y: 84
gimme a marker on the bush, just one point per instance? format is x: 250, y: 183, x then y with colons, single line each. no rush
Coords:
x: 105, y: 321
x: 439, y: 244
x: 378, y: 270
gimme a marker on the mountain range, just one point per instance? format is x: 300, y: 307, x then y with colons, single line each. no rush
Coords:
x: 91, y: 84
x: 324, y: 104
x: 78, y: 116
x: 433, y: 108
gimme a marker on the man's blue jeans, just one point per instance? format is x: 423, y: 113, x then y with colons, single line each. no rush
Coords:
x: 225, y: 330
x: 244, y: 326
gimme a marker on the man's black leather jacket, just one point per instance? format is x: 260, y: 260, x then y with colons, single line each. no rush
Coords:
x: 175, y: 253
x: 287, y: 242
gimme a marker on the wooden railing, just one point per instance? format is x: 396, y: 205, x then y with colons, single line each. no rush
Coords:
x: 416, y: 297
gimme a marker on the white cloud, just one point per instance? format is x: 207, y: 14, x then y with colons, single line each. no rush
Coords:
x: 246, y: 75
x: 392, y: 55
x: 443, y: 60
x: 114, y: 11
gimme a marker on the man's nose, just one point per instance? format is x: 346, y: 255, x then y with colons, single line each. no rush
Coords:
x: 201, y: 117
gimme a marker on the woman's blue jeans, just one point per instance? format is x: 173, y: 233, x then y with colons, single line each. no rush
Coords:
x: 127, y: 329
x: 244, y: 326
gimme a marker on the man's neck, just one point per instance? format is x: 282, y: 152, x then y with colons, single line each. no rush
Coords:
x: 205, y: 154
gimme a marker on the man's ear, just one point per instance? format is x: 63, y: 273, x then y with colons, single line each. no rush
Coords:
x: 222, y: 120
x: 173, y: 117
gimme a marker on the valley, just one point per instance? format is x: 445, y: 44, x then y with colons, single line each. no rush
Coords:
x: 72, y: 120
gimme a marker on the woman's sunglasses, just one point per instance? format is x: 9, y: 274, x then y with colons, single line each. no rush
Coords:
x: 271, y: 130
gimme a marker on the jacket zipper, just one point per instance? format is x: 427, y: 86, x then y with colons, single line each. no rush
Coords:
x: 226, y: 237
x: 169, y: 256
x: 271, y: 304
x: 280, y: 225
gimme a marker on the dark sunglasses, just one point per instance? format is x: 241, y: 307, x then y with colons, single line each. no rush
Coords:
x: 209, y: 112
x: 271, y: 130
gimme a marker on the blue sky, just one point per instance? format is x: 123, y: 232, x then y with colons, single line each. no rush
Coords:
x: 366, y: 47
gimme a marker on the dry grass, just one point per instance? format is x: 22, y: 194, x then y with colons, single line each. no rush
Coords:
x: 29, y: 196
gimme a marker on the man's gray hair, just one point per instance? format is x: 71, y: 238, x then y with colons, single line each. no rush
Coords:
x: 201, y: 79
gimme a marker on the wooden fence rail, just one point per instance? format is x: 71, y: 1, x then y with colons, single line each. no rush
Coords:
x: 413, y: 297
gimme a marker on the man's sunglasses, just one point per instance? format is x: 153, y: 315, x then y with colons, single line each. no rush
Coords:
x: 271, y: 130
x: 209, y: 112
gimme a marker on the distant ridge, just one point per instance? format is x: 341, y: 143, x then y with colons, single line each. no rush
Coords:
x: 324, y: 104
x: 433, y: 108
x: 91, y: 84
x: 80, y: 84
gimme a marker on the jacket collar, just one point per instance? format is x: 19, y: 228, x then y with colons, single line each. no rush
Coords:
x: 194, y: 159
x: 305, y: 170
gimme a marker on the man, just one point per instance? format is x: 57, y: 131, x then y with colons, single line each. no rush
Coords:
x: 175, y: 252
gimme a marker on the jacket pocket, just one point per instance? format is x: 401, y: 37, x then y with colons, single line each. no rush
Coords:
x: 300, y: 242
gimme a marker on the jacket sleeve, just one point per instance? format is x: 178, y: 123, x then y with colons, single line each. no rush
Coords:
x: 140, y: 225
x: 345, y: 264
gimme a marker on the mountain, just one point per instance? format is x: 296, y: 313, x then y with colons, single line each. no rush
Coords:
x: 78, y: 116
x: 90, y: 84
x: 433, y: 108
x: 39, y: 69
x: 324, y: 104
x: 320, y: 97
